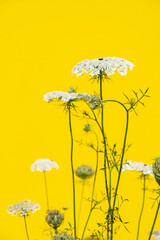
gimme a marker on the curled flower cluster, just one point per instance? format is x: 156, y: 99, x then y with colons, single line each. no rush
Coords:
x: 62, y: 236
x: 156, y: 169
x: 156, y: 235
x: 84, y: 172
x: 44, y: 165
x: 54, y: 218
x: 106, y: 65
x: 145, y: 169
x: 23, y: 208
x: 66, y: 96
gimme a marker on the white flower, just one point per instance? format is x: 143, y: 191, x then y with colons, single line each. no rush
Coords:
x: 107, y: 65
x: 23, y: 208
x: 156, y: 235
x: 44, y: 165
x: 66, y: 96
x: 138, y: 166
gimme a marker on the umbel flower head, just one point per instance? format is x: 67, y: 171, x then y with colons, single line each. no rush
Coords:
x: 145, y: 169
x: 95, y: 102
x: 44, y: 165
x: 23, y: 208
x: 156, y: 169
x: 66, y: 96
x: 62, y: 236
x: 156, y: 235
x: 106, y: 65
x: 84, y: 172
x: 54, y: 218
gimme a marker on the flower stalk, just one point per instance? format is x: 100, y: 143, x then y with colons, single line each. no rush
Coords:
x: 72, y: 169
x: 154, y: 221
x: 46, y: 189
x: 25, y: 223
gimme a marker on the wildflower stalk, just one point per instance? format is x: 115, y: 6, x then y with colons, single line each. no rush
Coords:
x: 80, y: 206
x: 94, y: 182
x: 72, y: 169
x: 155, y: 218
x: 25, y: 223
x: 140, y: 217
x: 46, y: 188
x: 105, y: 147
x: 121, y: 162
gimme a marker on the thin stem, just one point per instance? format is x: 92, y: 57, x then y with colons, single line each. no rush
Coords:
x: 46, y: 188
x: 105, y: 151
x: 140, y: 217
x: 94, y: 182
x: 80, y: 206
x: 25, y: 223
x: 155, y: 218
x: 72, y: 168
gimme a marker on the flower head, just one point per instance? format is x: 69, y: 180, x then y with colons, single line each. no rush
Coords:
x: 54, y: 218
x: 84, y: 172
x: 23, y: 208
x: 62, y: 236
x: 156, y: 235
x: 156, y: 169
x: 66, y: 96
x: 44, y: 165
x: 106, y: 65
x: 95, y: 102
x: 145, y: 169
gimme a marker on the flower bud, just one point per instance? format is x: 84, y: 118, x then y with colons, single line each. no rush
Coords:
x: 95, y: 102
x: 87, y: 128
x: 54, y: 218
x: 156, y: 169
x: 84, y: 172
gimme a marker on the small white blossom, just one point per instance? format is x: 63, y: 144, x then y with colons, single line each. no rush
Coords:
x: 66, y: 96
x: 23, y: 208
x: 44, y: 165
x: 156, y: 235
x: 138, y: 166
x: 107, y: 65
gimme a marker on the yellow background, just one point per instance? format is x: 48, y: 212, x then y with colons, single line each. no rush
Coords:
x: 40, y: 42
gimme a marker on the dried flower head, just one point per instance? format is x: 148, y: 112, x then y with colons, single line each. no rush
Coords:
x: 54, y: 218
x: 62, y: 236
x: 95, y: 102
x: 84, y: 172
x: 106, y: 65
x: 87, y: 127
x: 66, y: 96
x: 44, y: 165
x: 145, y: 169
x: 23, y: 208
x: 156, y: 169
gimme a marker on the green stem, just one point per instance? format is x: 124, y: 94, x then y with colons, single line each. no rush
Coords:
x: 25, y: 223
x: 72, y: 168
x: 121, y: 163
x: 46, y: 188
x: 80, y: 207
x: 105, y: 152
x: 140, y: 217
x: 155, y: 218
x: 94, y: 182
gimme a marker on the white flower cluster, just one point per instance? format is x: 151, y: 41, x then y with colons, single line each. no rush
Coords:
x: 23, y: 208
x: 44, y: 165
x: 108, y: 65
x: 138, y: 166
x: 156, y: 235
x: 66, y: 96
